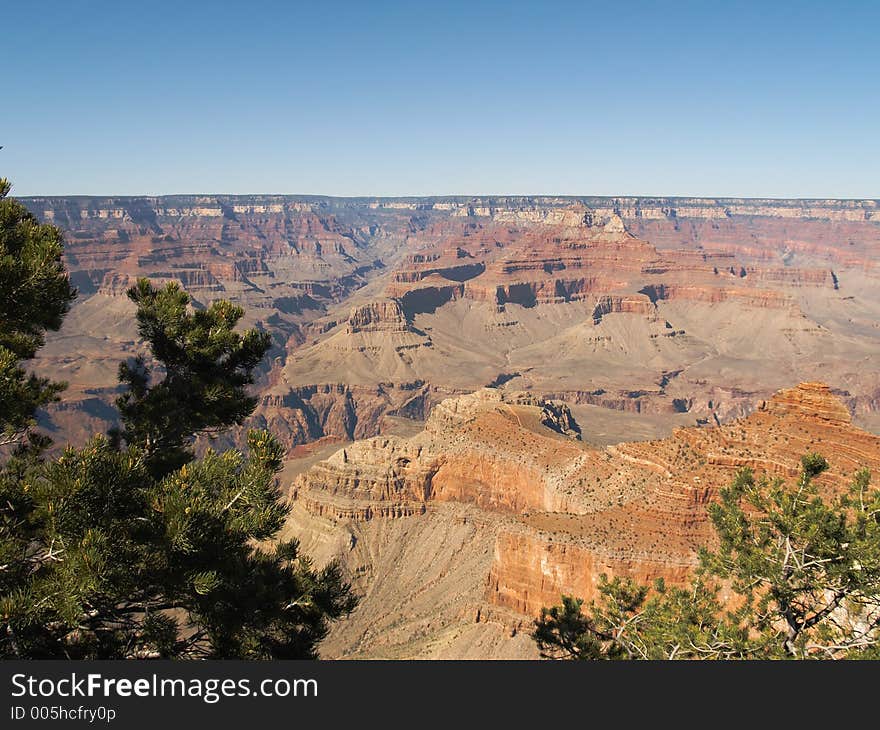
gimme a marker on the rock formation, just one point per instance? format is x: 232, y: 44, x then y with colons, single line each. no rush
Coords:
x: 697, y: 307
x: 560, y: 513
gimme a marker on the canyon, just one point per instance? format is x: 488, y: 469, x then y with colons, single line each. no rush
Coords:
x: 684, y: 310
x: 487, y: 402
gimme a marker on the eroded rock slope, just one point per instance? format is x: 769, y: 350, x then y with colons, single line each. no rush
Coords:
x: 457, y: 536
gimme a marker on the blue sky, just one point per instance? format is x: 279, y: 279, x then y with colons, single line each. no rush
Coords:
x: 768, y: 98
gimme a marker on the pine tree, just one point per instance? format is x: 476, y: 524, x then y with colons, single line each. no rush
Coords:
x: 131, y: 547
x: 206, y: 365
x: 35, y: 294
x: 803, y: 569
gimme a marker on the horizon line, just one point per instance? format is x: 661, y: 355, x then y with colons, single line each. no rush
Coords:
x: 452, y: 196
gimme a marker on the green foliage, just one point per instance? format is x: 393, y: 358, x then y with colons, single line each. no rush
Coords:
x: 810, y: 567
x: 35, y: 293
x: 206, y: 366
x: 564, y: 630
x: 117, y: 564
x: 802, y: 573
x: 629, y: 622
x: 130, y: 547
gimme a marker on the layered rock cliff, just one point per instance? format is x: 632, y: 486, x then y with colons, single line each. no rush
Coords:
x: 559, y: 513
x: 381, y: 308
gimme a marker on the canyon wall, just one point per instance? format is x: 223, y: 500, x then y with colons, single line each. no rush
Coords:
x: 559, y: 512
x: 381, y: 308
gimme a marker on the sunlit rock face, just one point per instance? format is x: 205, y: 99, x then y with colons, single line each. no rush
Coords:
x: 380, y: 308
x: 500, y: 482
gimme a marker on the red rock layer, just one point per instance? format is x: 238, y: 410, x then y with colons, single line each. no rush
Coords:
x: 565, y: 512
x: 551, y: 263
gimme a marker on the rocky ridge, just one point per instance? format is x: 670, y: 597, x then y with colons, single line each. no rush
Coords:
x: 559, y: 512
x: 381, y: 308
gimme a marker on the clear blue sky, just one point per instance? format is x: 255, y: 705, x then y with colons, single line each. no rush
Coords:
x: 390, y: 98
